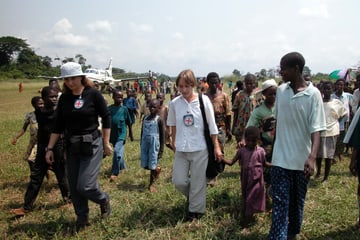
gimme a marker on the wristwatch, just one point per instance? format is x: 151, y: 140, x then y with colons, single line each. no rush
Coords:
x: 48, y: 149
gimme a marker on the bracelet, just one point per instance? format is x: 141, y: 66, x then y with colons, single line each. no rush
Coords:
x: 48, y: 149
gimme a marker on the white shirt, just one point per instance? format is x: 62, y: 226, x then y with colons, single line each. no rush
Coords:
x: 297, y: 117
x: 186, y: 117
x: 334, y: 109
x: 346, y: 99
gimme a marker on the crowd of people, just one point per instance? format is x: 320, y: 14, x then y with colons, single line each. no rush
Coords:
x: 282, y: 130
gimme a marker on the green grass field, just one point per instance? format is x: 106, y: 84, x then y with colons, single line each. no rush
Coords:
x: 330, y: 211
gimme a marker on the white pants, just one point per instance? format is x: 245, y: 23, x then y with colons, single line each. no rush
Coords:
x: 189, y: 177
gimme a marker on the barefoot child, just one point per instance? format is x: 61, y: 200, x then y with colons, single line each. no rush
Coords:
x: 335, y: 110
x: 252, y: 161
x: 120, y: 121
x: 30, y: 121
x: 152, y: 142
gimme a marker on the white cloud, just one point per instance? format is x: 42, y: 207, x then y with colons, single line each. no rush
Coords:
x: 62, y: 26
x: 138, y: 28
x: 100, y: 26
x: 178, y: 35
x: 320, y: 11
x: 61, y: 35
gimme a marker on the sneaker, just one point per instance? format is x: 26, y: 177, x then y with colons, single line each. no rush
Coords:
x: 105, y: 208
x: 19, y: 212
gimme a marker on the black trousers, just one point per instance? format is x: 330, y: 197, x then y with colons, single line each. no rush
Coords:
x: 38, y: 173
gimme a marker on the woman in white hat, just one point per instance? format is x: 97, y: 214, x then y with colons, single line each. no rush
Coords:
x: 78, y: 110
x: 263, y: 118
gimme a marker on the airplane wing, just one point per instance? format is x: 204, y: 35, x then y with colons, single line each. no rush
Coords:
x: 47, y: 77
x: 129, y: 79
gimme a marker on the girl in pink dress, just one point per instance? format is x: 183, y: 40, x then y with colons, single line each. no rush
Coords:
x: 251, y: 158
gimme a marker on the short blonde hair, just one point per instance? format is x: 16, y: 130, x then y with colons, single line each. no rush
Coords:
x: 188, y: 76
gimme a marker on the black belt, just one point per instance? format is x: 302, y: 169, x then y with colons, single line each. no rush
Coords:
x: 95, y: 134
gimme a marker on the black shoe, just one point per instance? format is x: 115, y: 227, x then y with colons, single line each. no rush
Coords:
x: 105, y: 208
x: 81, y: 225
x: 194, y: 216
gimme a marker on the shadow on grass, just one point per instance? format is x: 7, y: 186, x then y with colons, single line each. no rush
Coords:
x: 222, y: 217
x: 14, y: 185
x: 129, y: 186
x: 349, y: 233
x: 230, y: 174
x: 47, y: 230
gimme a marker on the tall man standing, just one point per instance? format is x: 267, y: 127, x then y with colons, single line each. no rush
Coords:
x: 300, y: 118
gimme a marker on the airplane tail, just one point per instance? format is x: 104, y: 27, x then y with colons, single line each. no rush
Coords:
x: 109, y: 68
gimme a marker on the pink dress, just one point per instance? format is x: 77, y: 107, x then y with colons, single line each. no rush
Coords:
x: 252, y: 179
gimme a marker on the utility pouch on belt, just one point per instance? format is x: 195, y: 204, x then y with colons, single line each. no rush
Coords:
x: 82, y: 144
x: 86, y: 145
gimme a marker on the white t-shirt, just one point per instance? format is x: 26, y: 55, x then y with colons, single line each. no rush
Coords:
x: 186, y: 117
x: 334, y: 109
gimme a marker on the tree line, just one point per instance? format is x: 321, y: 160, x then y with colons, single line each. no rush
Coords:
x: 18, y: 60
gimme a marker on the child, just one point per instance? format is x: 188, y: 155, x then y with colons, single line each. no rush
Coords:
x: 46, y: 118
x: 244, y: 104
x: 346, y: 99
x: 334, y: 112
x: 152, y: 142
x: 131, y: 103
x: 252, y: 161
x: 163, y: 113
x: 120, y: 118
x: 144, y: 110
x: 30, y: 120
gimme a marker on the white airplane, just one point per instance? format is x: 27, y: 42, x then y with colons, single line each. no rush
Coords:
x: 104, y: 78
x: 100, y: 76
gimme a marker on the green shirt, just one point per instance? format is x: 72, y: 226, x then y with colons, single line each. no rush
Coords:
x: 120, y: 118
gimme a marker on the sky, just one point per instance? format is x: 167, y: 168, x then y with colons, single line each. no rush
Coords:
x: 168, y: 36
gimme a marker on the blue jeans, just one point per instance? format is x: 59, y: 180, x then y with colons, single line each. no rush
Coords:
x: 118, y: 158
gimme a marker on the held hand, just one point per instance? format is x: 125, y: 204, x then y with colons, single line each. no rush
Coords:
x: 240, y: 144
x: 227, y: 162
x: 108, y: 150
x: 219, y: 156
x: 49, y: 157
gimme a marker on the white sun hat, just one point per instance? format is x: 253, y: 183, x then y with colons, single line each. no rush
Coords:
x: 267, y: 84
x: 71, y: 69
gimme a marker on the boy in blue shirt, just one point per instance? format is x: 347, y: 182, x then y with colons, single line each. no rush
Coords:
x: 120, y: 119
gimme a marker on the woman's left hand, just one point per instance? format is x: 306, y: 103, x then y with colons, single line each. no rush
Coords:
x: 108, y: 150
x: 218, y: 154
